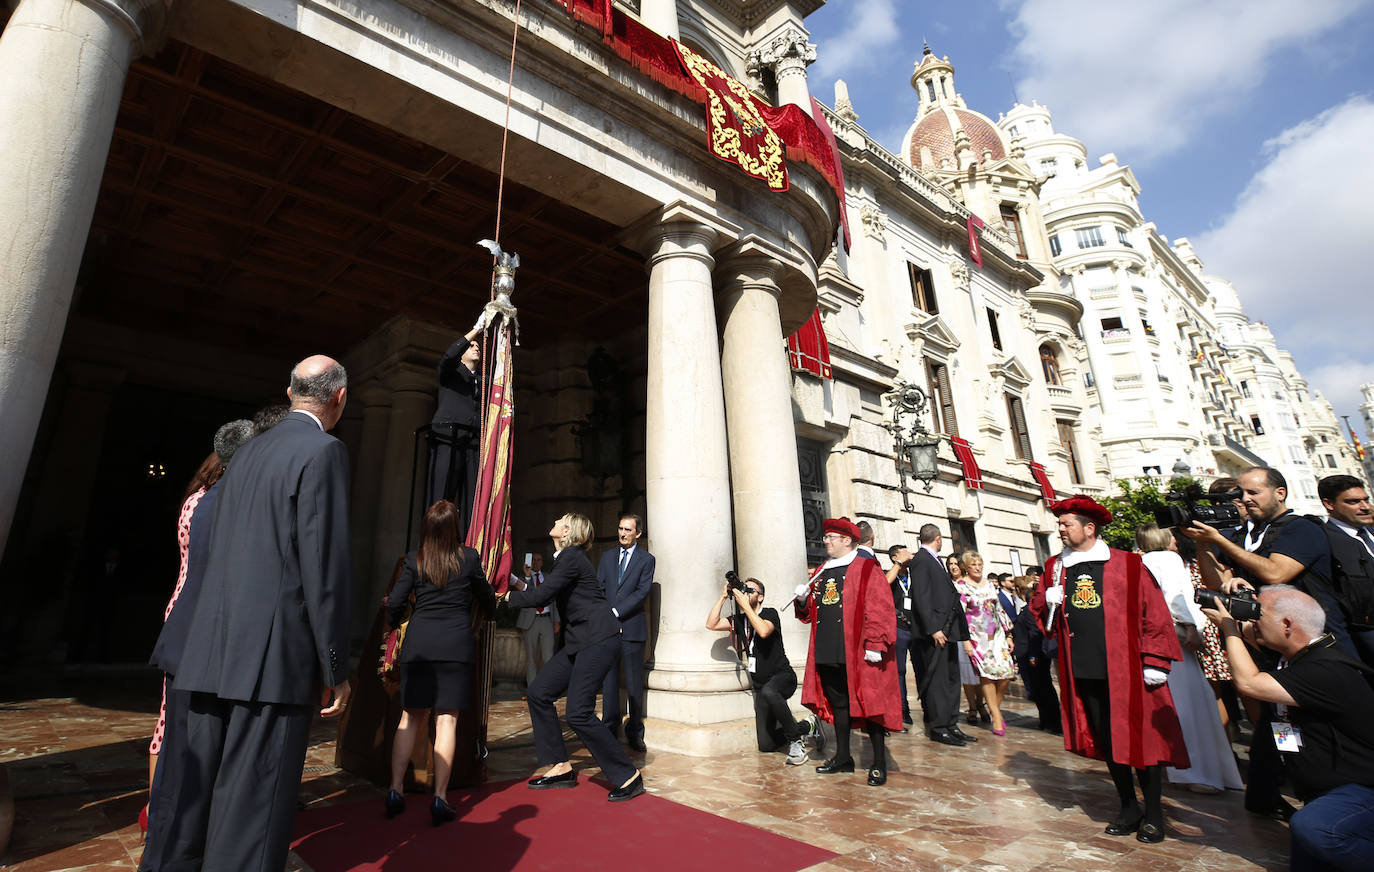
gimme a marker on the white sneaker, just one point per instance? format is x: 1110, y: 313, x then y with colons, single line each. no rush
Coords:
x: 796, y: 754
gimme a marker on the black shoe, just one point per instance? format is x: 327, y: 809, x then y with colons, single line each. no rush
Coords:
x: 906, y: 718
x: 395, y: 804
x: 832, y: 766
x: 548, y: 782
x: 876, y: 778
x: 971, y: 717
x: 441, y: 812
x: 1126, y: 823
x: 1150, y: 833
x: 954, y: 728
x: 637, y: 744
x: 1281, y: 810
x: 945, y: 737
x: 629, y: 791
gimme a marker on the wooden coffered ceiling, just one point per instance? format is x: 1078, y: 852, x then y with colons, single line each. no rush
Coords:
x: 243, y: 214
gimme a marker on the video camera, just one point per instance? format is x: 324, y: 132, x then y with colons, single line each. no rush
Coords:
x: 732, y: 580
x: 1187, y: 508
x: 1242, y: 604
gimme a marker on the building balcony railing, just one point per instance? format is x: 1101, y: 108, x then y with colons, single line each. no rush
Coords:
x: 1116, y: 334
x: 1107, y: 293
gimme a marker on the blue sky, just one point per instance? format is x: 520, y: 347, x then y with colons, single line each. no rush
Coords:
x: 1247, y: 123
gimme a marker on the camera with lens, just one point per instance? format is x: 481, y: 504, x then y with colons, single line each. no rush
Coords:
x: 1242, y: 604
x: 1187, y: 507
x: 732, y: 580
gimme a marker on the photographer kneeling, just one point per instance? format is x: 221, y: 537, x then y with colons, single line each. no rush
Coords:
x: 1324, y: 726
x: 760, y: 640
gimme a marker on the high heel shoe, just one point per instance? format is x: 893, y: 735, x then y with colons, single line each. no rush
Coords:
x: 1000, y: 731
x: 395, y: 804
x: 984, y: 715
x: 441, y: 812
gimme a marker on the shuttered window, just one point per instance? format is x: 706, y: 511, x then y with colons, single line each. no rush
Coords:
x: 1020, y: 435
x: 1066, y: 438
x: 941, y: 398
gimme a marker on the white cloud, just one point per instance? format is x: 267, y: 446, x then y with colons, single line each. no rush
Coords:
x: 871, y: 31
x: 1142, y: 78
x: 1295, y: 246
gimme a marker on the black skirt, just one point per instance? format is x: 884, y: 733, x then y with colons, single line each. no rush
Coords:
x: 437, y: 684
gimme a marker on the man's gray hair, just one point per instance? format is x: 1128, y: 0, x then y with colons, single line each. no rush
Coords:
x: 929, y: 533
x: 1287, y: 601
x: 230, y: 438
x: 320, y: 388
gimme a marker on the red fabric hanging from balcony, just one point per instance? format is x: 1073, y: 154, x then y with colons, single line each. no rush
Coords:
x: 973, y: 476
x: 1046, y: 489
x: 808, y: 350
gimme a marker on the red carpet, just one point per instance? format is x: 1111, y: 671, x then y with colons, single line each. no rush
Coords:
x: 507, y: 826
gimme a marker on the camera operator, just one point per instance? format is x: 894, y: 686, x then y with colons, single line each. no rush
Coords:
x: 1350, y: 532
x: 769, y: 672
x: 1324, y: 725
x: 1276, y: 546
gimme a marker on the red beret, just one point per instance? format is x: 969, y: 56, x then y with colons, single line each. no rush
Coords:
x: 1078, y: 504
x: 843, y: 526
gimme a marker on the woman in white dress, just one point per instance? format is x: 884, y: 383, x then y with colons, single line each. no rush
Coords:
x: 989, y: 647
x: 1214, y: 764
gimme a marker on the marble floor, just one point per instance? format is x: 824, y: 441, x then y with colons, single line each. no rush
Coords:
x: 75, y: 753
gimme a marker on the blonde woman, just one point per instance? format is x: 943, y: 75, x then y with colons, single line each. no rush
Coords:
x: 989, y: 631
x: 591, y: 645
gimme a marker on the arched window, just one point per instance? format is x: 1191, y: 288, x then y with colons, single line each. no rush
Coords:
x: 1049, y: 363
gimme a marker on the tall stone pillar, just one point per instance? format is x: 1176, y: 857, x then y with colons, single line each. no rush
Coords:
x: 687, y: 489
x: 375, y: 400
x: 62, y: 69
x: 660, y: 16
x: 770, y: 540
x: 412, y: 405
x: 787, y: 54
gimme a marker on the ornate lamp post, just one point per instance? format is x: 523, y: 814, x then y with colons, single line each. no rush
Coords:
x: 915, y: 446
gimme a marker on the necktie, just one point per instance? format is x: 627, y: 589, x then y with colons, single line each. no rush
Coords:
x: 624, y: 558
x: 1367, y: 539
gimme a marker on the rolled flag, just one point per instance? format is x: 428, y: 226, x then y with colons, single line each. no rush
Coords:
x: 975, y: 249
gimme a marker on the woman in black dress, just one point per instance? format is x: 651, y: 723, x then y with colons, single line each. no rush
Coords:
x: 591, y: 645
x: 439, y: 650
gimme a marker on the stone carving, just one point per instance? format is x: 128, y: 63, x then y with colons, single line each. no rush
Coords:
x: 958, y: 270
x: 789, y: 45
x: 874, y: 221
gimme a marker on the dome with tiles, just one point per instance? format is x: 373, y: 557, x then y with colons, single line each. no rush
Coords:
x: 930, y: 142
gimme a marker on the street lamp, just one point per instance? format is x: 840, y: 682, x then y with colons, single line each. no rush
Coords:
x: 915, y: 446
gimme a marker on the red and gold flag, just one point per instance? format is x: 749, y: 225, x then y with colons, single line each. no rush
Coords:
x: 489, y: 529
x: 1359, y: 449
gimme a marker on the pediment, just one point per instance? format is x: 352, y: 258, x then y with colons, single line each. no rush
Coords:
x: 1013, y: 372
x: 934, y: 333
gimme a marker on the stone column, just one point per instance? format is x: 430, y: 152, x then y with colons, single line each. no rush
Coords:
x: 660, y: 16
x: 687, y: 489
x: 375, y: 401
x: 412, y: 405
x: 62, y: 69
x: 787, y: 54
x: 766, y: 484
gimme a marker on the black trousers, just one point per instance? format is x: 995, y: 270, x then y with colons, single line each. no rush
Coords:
x: 579, y: 675
x: 1041, y: 686
x: 907, y: 649
x: 173, y: 744
x: 631, y: 664
x: 1095, y: 695
x: 939, y: 683
x: 243, y: 762
x: 835, y: 685
x: 452, y: 471
x: 773, y: 720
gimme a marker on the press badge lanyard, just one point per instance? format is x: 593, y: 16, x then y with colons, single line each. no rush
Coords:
x: 1287, y: 737
x: 749, y: 635
x: 906, y: 593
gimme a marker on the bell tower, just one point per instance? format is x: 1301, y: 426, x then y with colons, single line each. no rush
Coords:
x: 934, y: 83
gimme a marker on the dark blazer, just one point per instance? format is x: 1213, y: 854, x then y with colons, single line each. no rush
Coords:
x: 457, y: 395
x: 1352, y: 575
x: 1008, y: 604
x: 628, y: 597
x: 171, y: 642
x: 587, y: 617
x: 272, y: 621
x: 1026, y: 638
x: 441, y: 623
x: 935, y: 603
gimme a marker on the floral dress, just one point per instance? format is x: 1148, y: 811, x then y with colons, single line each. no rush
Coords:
x: 1212, y: 656
x: 989, y: 629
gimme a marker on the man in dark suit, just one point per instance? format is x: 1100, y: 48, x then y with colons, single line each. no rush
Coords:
x: 627, y: 573
x: 1350, y: 531
x: 453, y: 433
x: 939, y: 628
x: 269, y: 633
x: 899, y: 576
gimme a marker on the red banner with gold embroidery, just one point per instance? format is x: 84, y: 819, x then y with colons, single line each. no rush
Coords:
x: 735, y: 130
x: 489, y: 528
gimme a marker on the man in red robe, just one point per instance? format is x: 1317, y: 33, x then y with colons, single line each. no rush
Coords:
x: 1116, y: 703
x: 851, y: 677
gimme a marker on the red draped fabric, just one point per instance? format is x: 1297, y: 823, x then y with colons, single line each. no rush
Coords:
x: 975, y: 249
x: 736, y: 130
x: 973, y: 476
x: 489, y: 528
x: 808, y: 350
x: 810, y: 140
x: 1046, y: 489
